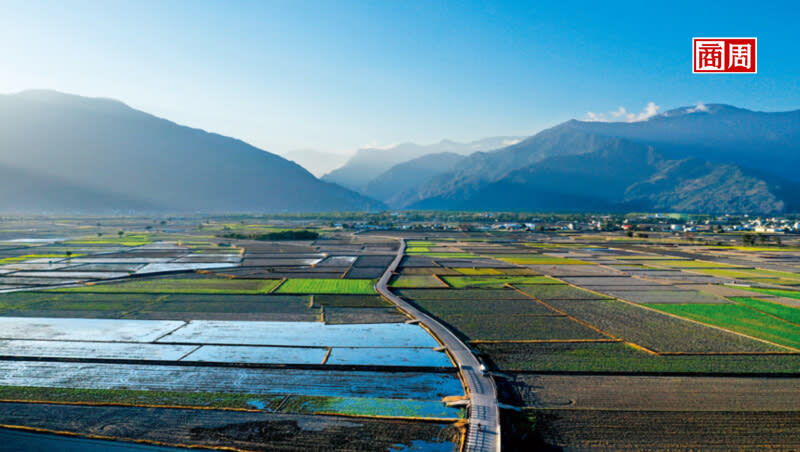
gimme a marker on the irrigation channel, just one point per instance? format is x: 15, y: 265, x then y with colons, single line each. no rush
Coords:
x: 484, y: 411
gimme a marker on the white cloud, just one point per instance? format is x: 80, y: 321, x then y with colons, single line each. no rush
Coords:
x: 622, y: 114
x: 510, y: 142
x: 595, y: 117
x: 699, y: 107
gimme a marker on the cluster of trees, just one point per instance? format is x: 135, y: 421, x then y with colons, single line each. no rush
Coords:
x: 762, y: 239
x: 290, y: 234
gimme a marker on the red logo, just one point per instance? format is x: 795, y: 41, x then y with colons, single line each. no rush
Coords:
x: 724, y: 56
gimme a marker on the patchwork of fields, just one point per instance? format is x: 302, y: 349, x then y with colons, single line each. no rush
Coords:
x: 554, y: 314
x: 177, y: 334
x: 162, y: 336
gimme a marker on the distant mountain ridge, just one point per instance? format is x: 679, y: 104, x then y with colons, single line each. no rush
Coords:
x: 111, y: 156
x: 715, y: 159
x: 389, y: 185
x: 369, y: 163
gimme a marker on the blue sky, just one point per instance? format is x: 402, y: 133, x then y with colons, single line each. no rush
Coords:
x: 335, y: 75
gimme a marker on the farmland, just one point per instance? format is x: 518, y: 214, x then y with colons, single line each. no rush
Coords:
x: 214, y: 326
x: 578, y: 309
x: 202, y: 336
x: 327, y: 286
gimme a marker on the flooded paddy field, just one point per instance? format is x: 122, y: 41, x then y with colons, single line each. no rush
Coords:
x: 331, y: 383
x: 292, y: 332
x: 224, y: 342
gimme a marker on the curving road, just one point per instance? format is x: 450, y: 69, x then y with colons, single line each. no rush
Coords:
x: 484, y: 411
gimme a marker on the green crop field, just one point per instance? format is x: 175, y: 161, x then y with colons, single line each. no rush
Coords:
x: 411, y: 243
x: 185, y: 286
x: 788, y: 313
x: 738, y: 318
x: 776, y: 292
x: 460, y: 282
x: 657, y: 331
x: 328, y: 286
x: 408, y: 281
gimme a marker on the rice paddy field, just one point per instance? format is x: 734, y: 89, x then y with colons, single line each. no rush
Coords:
x: 137, y: 330
x: 96, y: 331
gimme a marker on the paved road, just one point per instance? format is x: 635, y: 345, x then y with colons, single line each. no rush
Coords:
x: 484, y: 412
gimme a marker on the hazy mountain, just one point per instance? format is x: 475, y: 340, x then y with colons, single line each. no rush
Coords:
x: 26, y: 191
x: 719, y: 133
x: 675, y: 161
x: 107, y: 154
x: 408, y: 175
x: 368, y: 163
x: 316, y: 162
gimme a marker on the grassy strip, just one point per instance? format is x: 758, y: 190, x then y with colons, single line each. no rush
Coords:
x: 738, y: 318
x: 328, y: 286
x: 132, y: 397
x: 27, y: 257
x: 368, y: 406
x: 444, y: 255
x: 673, y: 263
x: 125, y: 240
x: 184, y: 286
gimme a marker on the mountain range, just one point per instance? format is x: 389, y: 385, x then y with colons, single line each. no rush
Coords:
x: 70, y: 153
x: 716, y: 158
x: 369, y: 163
x: 65, y: 153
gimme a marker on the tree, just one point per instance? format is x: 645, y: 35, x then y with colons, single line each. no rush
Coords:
x: 120, y: 233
